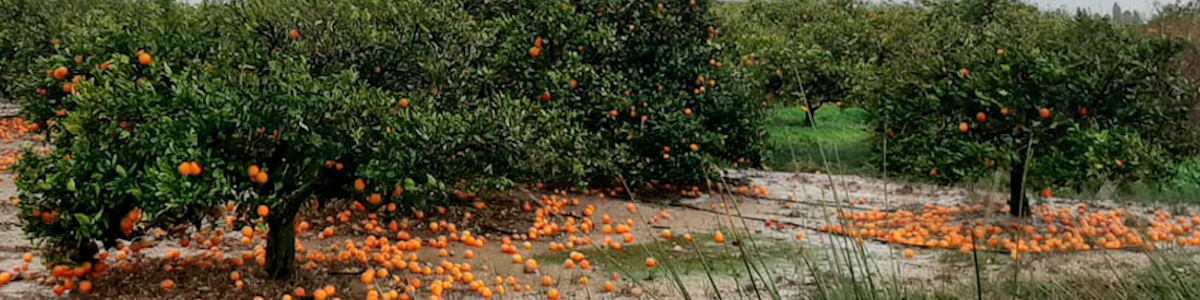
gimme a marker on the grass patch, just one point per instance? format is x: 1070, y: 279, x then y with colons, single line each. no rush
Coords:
x: 794, y: 144
x: 723, y: 260
x: 1172, y: 275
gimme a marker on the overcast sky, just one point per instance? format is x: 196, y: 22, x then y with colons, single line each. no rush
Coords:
x: 1100, y: 6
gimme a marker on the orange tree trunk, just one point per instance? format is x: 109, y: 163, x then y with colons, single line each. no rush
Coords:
x: 1017, y: 202
x: 281, y: 235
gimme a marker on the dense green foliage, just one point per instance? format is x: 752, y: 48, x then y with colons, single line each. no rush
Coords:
x: 420, y: 99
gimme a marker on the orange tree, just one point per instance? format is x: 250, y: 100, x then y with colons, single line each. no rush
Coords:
x: 996, y: 85
x: 811, y: 53
x: 640, y: 76
x: 163, y: 112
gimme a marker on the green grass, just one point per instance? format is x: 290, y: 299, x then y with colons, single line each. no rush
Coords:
x: 841, y: 132
x: 723, y: 260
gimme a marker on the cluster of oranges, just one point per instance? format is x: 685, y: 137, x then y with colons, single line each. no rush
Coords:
x: 13, y: 128
x: 536, y: 50
x: 1054, y: 230
x: 257, y: 175
x: 189, y: 168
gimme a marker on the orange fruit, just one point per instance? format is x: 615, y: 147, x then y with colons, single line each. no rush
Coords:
x: 375, y: 199
x: 69, y: 88
x: 964, y: 73
x: 263, y: 211
x: 185, y: 169
x: 1001, y: 52
x: 651, y: 263
x: 535, y: 52
x: 359, y: 185
x: 253, y: 170
x: 719, y: 237
x: 145, y: 59
x: 105, y: 66
x: 574, y: 84
x: 404, y: 103
x: 294, y: 34
x: 1005, y: 111
x: 553, y: 294
x: 694, y: 147
x: 964, y: 127
x: 85, y: 287
x: 167, y: 284
x: 60, y: 73
x: 545, y: 97
x: 1045, y: 113
x: 261, y: 178
x: 909, y: 253
x: 1047, y: 193
x: 981, y: 117
x: 687, y: 111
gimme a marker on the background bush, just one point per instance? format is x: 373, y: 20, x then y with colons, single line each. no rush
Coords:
x: 1121, y: 107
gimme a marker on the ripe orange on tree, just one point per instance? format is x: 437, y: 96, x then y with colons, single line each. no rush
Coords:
x: 60, y: 73
x: 294, y: 34
x: 144, y: 58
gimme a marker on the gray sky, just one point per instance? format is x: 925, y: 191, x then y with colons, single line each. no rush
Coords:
x: 1146, y: 7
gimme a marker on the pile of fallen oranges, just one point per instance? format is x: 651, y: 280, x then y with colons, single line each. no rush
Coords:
x: 427, y: 257
x: 968, y: 228
x: 11, y: 129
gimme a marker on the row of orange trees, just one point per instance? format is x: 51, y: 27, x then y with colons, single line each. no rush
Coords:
x: 960, y: 90
x: 162, y: 109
